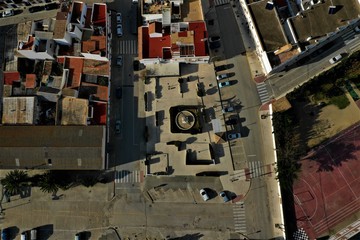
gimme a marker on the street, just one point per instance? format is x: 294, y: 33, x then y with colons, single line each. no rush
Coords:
x: 249, y: 149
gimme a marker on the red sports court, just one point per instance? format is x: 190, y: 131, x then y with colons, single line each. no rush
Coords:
x: 328, y: 188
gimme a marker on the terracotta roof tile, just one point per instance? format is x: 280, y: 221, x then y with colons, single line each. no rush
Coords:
x: 75, y: 65
x: 96, y: 67
x: 30, y: 81
x: 200, y: 34
x: 10, y: 77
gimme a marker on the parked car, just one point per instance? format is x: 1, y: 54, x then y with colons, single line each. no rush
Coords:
x: 33, y: 234
x: 27, y: 4
x: 357, y: 29
x: 118, y: 18
x: 117, y: 126
x: 51, y: 6
x: 36, y: 9
x: 335, y: 59
x: 119, y: 30
x: 8, y: 13
x: 231, y: 121
x: 222, y: 76
x: 24, y: 236
x: 118, y: 92
x: 204, y: 194
x: 5, y: 234
x: 228, y: 109
x: 119, y: 61
x: 233, y: 136
x: 221, y: 68
x: 224, y: 84
x: 224, y: 196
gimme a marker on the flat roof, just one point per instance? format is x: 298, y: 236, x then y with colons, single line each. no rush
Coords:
x: 52, y: 147
x: 74, y: 111
x: 18, y: 110
x: 317, y: 22
x: 268, y: 26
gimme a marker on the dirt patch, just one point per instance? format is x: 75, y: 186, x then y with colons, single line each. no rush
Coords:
x: 318, y: 122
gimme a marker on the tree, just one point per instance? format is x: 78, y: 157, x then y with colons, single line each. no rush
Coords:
x: 14, y: 181
x: 48, y: 184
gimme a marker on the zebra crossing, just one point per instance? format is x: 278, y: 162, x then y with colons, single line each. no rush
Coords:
x: 125, y: 176
x: 348, y: 35
x: 256, y: 170
x: 128, y: 47
x: 263, y: 93
x: 221, y: 2
x: 239, y: 217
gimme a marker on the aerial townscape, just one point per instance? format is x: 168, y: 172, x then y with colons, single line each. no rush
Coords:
x: 180, y: 119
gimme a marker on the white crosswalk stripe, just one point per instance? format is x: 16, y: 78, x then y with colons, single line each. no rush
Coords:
x: 348, y: 35
x: 221, y: 2
x: 128, y: 47
x: 239, y: 217
x: 256, y: 170
x: 263, y: 93
x: 125, y: 176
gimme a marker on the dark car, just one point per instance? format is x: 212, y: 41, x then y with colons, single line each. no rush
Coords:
x: 231, y: 121
x: 5, y: 234
x: 118, y: 92
x: 27, y: 4
x: 51, y: 6
x: 221, y: 68
x: 36, y: 9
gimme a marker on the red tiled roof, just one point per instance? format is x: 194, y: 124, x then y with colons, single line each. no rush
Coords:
x: 96, y: 67
x: 95, y: 45
x: 60, y: 59
x: 200, y: 34
x: 10, y: 77
x: 27, y: 45
x: 99, y: 92
x: 156, y: 46
x: 75, y: 65
x: 99, y: 15
x: 99, y: 116
x: 30, y: 81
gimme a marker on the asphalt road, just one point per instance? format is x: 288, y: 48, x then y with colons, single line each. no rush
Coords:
x: 281, y: 83
x: 125, y: 148
x: 243, y: 95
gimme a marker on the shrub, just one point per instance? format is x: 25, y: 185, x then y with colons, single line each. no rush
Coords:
x: 340, y: 101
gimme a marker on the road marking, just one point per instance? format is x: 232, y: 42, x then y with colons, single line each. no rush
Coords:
x: 125, y: 176
x: 239, y: 217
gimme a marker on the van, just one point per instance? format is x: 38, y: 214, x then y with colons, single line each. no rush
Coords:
x: 33, y: 234
x: 8, y: 13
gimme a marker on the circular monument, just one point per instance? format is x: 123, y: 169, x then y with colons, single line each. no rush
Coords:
x: 185, y: 120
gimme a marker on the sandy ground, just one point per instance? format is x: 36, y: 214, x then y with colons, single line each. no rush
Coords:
x: 320, y: 123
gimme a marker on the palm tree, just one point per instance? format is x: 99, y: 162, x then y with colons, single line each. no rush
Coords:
x: 14, y: 181
x: 48, y: 184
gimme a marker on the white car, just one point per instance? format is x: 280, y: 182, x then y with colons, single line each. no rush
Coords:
x: 335, y: 59
x: 222, y: 76
x: 233, y: 136
x: 118, y: 18
x: 204, y: 194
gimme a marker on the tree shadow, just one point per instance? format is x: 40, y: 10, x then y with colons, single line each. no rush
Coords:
x: 334, y: 154
x: 194, y: 236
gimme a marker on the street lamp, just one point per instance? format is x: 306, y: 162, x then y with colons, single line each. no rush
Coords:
x: 246, y: 237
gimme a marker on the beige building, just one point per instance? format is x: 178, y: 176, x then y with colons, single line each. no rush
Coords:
x: 19, y: 110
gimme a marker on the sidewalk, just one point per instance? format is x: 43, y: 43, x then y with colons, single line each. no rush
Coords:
x: 254, y: 62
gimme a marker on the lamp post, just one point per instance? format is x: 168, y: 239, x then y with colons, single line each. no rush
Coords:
x: 246, y: 236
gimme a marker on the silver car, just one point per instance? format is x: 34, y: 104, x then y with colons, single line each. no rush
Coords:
x: 335, y: 59
x: 204, y: 194
x: 224, y: 196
